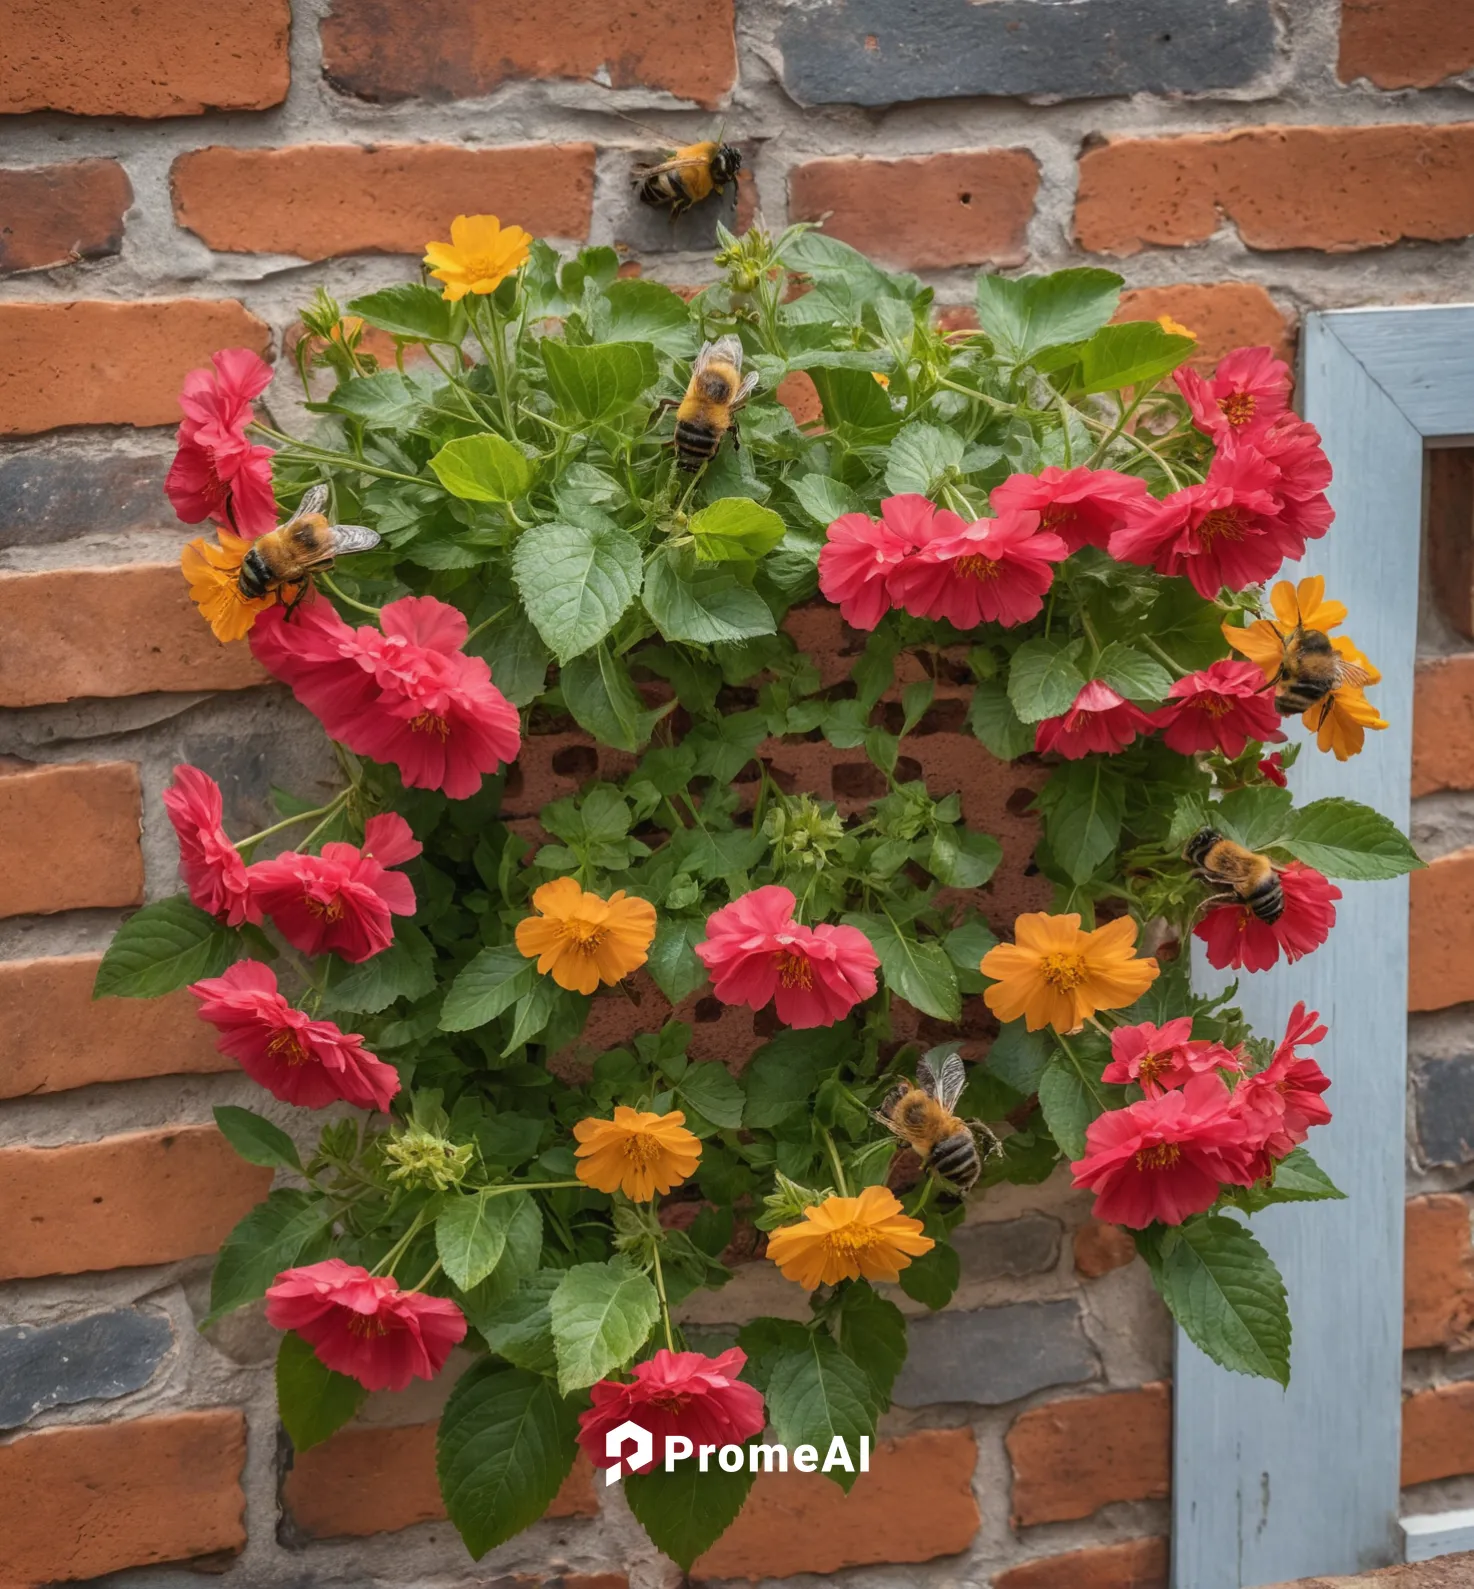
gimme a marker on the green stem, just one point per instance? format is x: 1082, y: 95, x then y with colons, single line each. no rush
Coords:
x: 427, y: 1277
x: 1122, y: 420
x: 670, y: 1340
x: 329, y: 819
x: 344, y: 597
x: 495, y: 350
x: 501, y: 612
x: 386, y: 1264
x: 314, y: 454
x: 527, y: 1186
x: 288, y: 822
x: 927, y: 1188
x: 960, y: 504
x: 980, y: 397
x: 840, y: 1184
x: 1162, y: 656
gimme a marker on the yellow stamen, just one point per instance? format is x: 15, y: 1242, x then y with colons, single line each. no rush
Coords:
x: 852, y: 1238
x: 286, y: 1045
x: 1238, y: 407
x: 641, y: 1148
x: 366, y: 1326
x: 1223, y: 524
x: 982, y: 568
x: 794, y: 971
x: 1063, y: 970
x: 429, y: 723
x: 1152, y: 1066
x: 332, y: 910
x: 1161, y: 1157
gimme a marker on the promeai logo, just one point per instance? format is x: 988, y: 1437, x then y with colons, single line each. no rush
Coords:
x: 614, y: 1444
x: 730, y: 1459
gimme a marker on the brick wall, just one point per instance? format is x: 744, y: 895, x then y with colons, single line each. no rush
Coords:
x: 168, y: 166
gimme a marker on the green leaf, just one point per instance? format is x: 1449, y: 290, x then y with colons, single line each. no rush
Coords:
x: 723, y: 748
x: 1255, y: 817
x: 485, y: 468
x: 993, y: 719
x: 532, y: 1013
x: 471, y: 1234
x: 1018, y: 1056
x: 961, y: 858
x: 1071, y: 1094
x: 389, y: 400
x: 1084, y: 804
x: 290, y: 1225
x: 918, y: 972
x: 256, y: 1139
x: 405, y: 970
x: 576, y: 581
x: 514, y: 651
x: 644, y: 311
x: 854, y: 398
x: 1132, y: 673
x: 735, y: 529
x: 1044, y: 678
x: 506, y: 1443
x: 1297, y: 1179
x: 1024, y: 314
x: 1130, y: 355
x: 486, y: 987
x: 1186, y: 627
x: 781, y: 1077
x: 313, y: 1401
x: 921, y: 459
x: 520, y: 1328
x: 714, y: 1093
x: 823, y: 499
x: 686, y: 1511
x: 602, y: 1315
x: 412, y: 312
x: 932, y: 1278
x: 701, y: 603
x: 1343, y: 838
x: 816, y: 1392
x: 1226, y: 1293
x: 519, y: 1262
x: 872, y: 1330
x: 673, y: 963
x: 164, y: 946
x: 594, y: 383
x: 598, y: 690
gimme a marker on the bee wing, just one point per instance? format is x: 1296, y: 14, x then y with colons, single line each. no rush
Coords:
x: 313, y: 501
x: 749, y: 385
x: 1351, y: 673
x: 678, y: 163
x: 352, y: 538
x: 953, y: 1080
x: 890, y: 1125
x: 726, y: 349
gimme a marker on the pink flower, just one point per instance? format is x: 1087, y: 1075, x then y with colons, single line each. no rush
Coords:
x: 1273, y: 769
x: 363, y: 1325
x: 675, y: 1393
x: 1221, y: 707
x: 859, y: 554
x: 1082, y: 506
x: 217, y: 473
x: 1100, y: 720
x: 405, y: 693
x: 209, y: 863
x: 757, y: 952
x: 1250, y: 389
x: 1236, y: 938
x: 1283, y: 1101
x: 343, y: 900
x: 1165, y: 1158
x: 301, y: 1061
x: 1160, y: 1057
x: 990, y: 571
x: 1292, y: 446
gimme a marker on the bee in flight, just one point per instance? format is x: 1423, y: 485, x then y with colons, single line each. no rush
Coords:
x: 921, y: 1116
x: 291, y: 553
x: 1249, y: 878
x: 1310, y: 673
x: 688, y: 176
x: 708, y: 411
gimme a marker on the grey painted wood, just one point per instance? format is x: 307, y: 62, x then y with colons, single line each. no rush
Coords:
x: 1271, y: 1485
x: 1437, y: 1534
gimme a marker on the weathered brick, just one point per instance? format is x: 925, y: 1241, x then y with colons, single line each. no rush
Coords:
x: 144, y: 57
x: 1443, y: 1092
x: 1438, y: 1433
x: 1440, y: 954
x: 1443, y: 725
x: 143, y: 1198
x: 1101, y: 1248
x: 968, y: 208
x: 69, y: 834
x: 1070, y: 1458
x: 1223, y: 315
x: 1334, y: 189
x: 96, y: 1358
x: 798, y: 394
x: 1438, y: 1273
x: 1133, y: 1564
x: 1004, y: 1249
x: 995, y: 1355
x: 1442, y: 1572
x: 1404, y: 43
x: 316, y: 200
x: 55, y: 215
x: 915, y: 1504
x: 92, y: 363
x: 378, y: 1479
x: 95, y: 1498
x: 1450, y: 537
x: 439, y: 49
x: 51, y: 492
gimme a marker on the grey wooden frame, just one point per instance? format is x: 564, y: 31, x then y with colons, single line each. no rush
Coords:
x: 1270, y: 1485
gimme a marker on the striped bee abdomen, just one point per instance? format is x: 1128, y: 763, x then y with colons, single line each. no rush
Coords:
x: 1267, y: 901
x: 696, y: 442
x: 664, y: 187
x: 1292, y: 699
x: 956, y: 1159
x: 255, y: 576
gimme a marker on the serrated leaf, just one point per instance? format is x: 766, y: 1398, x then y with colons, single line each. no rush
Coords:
x: 595, y: 383
x: 575, y: 582
x: 645, y: 311
x: 257, y: 1139
x: 1297, y: 1179
x: 1044, y: 678
x: 1019, y: 1056
x: 598, y: 690
x: 702, y: 603
x: 486, y: 987
x: 723, y: 748
x: 520, y: 1328
x: 485, y: 468
x: 1343, y: 838
x: 602, y: 1314
x: 290, y: 1226
x: 1132, y: 673
x: 961, y: 858
x: 816, y: 1392
x: 1254, y: 816
x: 714, y: 1093
x: 387, y: 401
x: 1084, y: 804
x: 915, y: 971
x: 735, y: 529
x: 783, y: 1074
x: 165, y: 946
x: 686, y: 1511
x: 412, y: 312
x: 531, y: 1013
x: 1130, y: 355
x: 1022, y: 315
x: 992, y: 718
x: 405, y: 970
x: 1072, y: 1095
x: 823, y: 499
x: 872, y: 1330
x: 1226, y: 1293
x: 312, y: 1400
x: 921, y: 458
x: 514, y: 651
x: 471, y: 1234
x: 673, y: 964
x: 933, y: 1278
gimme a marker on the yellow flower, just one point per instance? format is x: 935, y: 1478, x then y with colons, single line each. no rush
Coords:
x: 1175, y: 328
x: 583, y: 940
x: 1053, y: 974
x: 636, y: 1153
x: 1295, y: 606
x: 213, y: 573
x: 1341, y: 720
x: 479, y: 257
x: 844, y: 1238
x: 881, y: 379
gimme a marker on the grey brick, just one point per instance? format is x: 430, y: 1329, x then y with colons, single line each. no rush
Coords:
x: 881, y: 52
x: 1004, y: 1249
x: 54, y: 493
x: 1444, y: 1089
x: 91, y: 1359
x: 995, y: 1355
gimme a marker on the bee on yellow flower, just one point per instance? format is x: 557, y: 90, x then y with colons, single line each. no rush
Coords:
x: 847, y: 1238
x: 581, y: 940
x: 479, y: 257
x: 1054, y: 974
x: 636, y: 1153
x: 214, y: 575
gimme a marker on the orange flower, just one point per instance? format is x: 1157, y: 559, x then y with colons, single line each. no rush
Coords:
x: 1175, y: 328
x: 583, y: 940
x: 1053, y: 974
x: 881, y: 379
x: 213, y: 573
x: 1295, y: 606
x: 844, y: 1238
x: 636, y: 1153
x: 1341, y: 720
x: 479, y: 257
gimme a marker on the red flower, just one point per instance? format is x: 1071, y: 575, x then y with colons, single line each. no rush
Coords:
x: 675, y: 1393
x: 1082, y: 506
x: 1220, y: 707
x: 860, y: 553
x: 209, y: 863
x: 301, y: 1061
x: 1250, y: 389
x: 1100, y: 720
x: 1283, y: 1101
x: 990, y: 571
x: 1235, y: 937
x: 757, y: 952
x: 1165, y: 1158
x: 218, y: 474
x: 342, y: 900
x: 405, y: 694
x: 1160, y: 1057
x: 1293, y: 446
x: 363, y: 1325
x: 1273, y: 768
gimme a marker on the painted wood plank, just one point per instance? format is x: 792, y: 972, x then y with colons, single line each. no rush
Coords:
x: 1421, y: 355
x: 1437, y: 1534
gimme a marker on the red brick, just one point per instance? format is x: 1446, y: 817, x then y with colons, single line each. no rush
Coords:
x: 54, y: 1035
x: 90, y: 363
x: 798, y: 394
x: 54, y: 215
x: 94, y: 1498
x: 316, y: 200
x: 1101, y: 1248
x: 1405, y: 43
x: 1222, y: 315
x: 1443, y: 725
x: 144, y: 57
x: 1330, y: 188
x: 1133, y: 1564
x: 915, y: 1504
x: 1072, y: 1457
x: 968, y: 208
x: 69, y: 835
x: 376, y: 1480
x: 1450, y: 537
x: 1438, y: 1273
x: 1441, y: 947
x: 441, y: 49
x: 1438, y: 1433
x: 1444, y: 1572
x: 144, y: 1198
x: 126, y: 630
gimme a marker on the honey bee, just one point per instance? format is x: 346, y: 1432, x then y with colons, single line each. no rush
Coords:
x: 688, y: 176
x: 1250, y: 878
x: 709, y: 409
x: 921, y: 1116
x: 1310, y: 672
x: 289, y: 554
